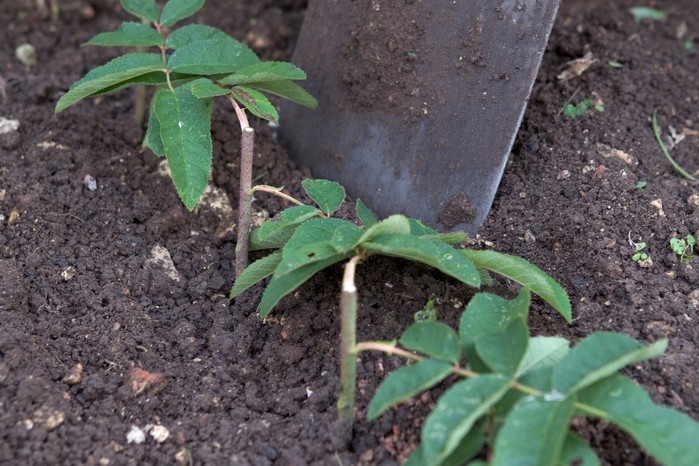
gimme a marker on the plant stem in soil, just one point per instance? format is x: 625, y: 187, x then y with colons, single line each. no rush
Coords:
x: 348, y: 341
x: 247, y: 147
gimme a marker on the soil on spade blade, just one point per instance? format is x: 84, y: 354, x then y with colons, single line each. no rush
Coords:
x: 99, y: 279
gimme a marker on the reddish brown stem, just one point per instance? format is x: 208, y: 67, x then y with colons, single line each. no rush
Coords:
x: 247, y: 147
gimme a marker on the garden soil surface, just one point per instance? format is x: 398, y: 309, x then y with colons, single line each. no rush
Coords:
x: 114, y: 288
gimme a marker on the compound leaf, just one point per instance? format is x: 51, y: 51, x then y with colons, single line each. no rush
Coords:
x: 434, y: 253
x: 185, y: 129
x: 456, y: 413
x: 144, y: 9
x: 214, y: 56
x: 668, y: 435
x: 274, y: 234
x: 279, y: 287
x: 256, y: 102
x: 434, y: 339
x: 176, y: 10
x: 366, y: 216
x: 534, y: 432
x: 526, y: 274
x: 405, y: 382
x: 194, y: 33
x: 110, y: 74
x: 128, y: 34
x: 264, y: 72
x: 329, y: 195
x: 598, y: 356
x: 256, y: 272
x: 287, y: 90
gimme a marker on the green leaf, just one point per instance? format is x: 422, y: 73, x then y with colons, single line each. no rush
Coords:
x: 641, y: 13
x: 577, y: 453
x: 365, y: 215
x: 329, y: 195
x: 434, y: 339
x: 194, y: 33
x: 256, y: 272
x: 275, y: 233
x: 287, y: 90
x: 452, y: 237
x: 144, y: 9
x: 155, y: 78
x: 456, y: 413
x: 526, y: 274
x: 405, y: 382
x: 185, y: 129
x: 264, y: 72
x: 468, y: 448
x: 176, y: 10
x: 256, y: 102
x: 277, y: 288
x: 120, y: 69
x: 153, y: 141
x: 340, y: 234
x: 543, y: 352
x: 434, y: 253
x: 207, y: 57
x: 205, y: 88
x: 493, y: 331
x: 128, y: 34
x: 395, y: 224
x: 417, y: 228
x: 666, y: 434
x: 598, y: 356
x: 533, y: 432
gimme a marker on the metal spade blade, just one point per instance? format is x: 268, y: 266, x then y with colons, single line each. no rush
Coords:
x: 419, y: 100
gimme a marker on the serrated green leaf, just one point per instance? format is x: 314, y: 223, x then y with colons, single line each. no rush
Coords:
x: 176, y: 10
x: 576, y: 452
x: 395, y: 224
x: 264, y: 72
x: 155, y: 78
x: 340, y: 234
x: 598, y: 356
x: 452, y: 237
x: 287, y: 90
x: 533, y: 432
x: 434, y: 253
x: 405, y: 382
x: 205, y: 88
x: 489, y: 321
x: 276, y: 232
x: 543, y: 352
x: 255, y: 102
x: 526, y: 274
x: 185, y: 129
x: 277, y: 288
x: 366, y: 216
x: 128, y: 34
x: 194, y: 33
x: 215, y: 56
x: 456, y: 413
x: 329, y: 195
x: 434, y: 339
x: 144, y: 9
x: 120, y: 69
x: 417, y: 228
x: 256, y: 272
x: 152, y: 140
x: 666, y: 434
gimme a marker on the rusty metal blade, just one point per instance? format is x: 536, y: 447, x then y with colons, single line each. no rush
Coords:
x: 420, y: 101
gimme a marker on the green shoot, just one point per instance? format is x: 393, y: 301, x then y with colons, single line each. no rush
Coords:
x: 678, y: 168
x: 642, y: 13
x: 576, y: 110
x: 683, y: 247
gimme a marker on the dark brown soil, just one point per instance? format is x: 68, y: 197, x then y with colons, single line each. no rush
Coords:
x: 80, y: 289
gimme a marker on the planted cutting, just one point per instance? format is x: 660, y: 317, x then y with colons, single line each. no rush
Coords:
x: 518, y: 395
x: 192, y: 65
x: 306, y: 239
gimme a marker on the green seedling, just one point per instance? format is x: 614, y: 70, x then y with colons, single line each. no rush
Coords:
x: 516, y: 395
x: 193, y: 65
x: 678, y: 168
x: 643, y: 13
x: 641, y: 184
x: 428, y: 312
x: 307, y: 239
x: 576, y: 110
x: 683, y: 247
x: 640, y: 255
